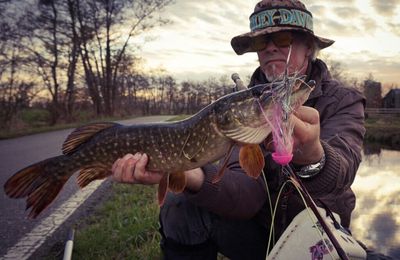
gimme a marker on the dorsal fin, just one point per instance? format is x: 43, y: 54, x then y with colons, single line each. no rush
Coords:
x: 83, y: 134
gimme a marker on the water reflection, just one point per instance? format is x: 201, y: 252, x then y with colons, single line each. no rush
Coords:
x: 376, y: 218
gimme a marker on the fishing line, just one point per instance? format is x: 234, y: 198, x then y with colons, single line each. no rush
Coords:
x: 270, y: 207
x: 273, y: 212
x: 313, y: 219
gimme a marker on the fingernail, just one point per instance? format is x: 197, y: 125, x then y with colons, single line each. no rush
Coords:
x: 128, y: 156
x: 137, y: 156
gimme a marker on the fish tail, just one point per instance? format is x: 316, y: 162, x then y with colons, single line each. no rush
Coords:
x: 40, y: 183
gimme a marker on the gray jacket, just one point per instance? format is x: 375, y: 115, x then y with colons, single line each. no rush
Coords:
x: 341, y: 112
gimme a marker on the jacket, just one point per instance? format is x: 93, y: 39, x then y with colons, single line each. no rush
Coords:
x: 341, y: 112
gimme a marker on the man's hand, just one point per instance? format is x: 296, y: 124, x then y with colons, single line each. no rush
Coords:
x: 132, y: 169
x: 307, y: 145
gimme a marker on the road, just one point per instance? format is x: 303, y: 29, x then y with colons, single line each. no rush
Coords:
x: 20, y: 152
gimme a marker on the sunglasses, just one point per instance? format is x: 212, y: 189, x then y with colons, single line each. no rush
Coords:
x: 280, y: 39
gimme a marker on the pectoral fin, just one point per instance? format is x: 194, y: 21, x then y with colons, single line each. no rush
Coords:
x: 177, y: 182
x: 251, y: 160
x: 162, y: 189
x: 248, y: 135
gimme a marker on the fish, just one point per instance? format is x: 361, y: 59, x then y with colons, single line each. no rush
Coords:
x: 172, y: 147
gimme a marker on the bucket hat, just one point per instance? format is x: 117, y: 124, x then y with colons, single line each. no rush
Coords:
x: 272, y: 16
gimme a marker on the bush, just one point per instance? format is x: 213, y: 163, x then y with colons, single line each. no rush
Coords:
x: 35, y: 117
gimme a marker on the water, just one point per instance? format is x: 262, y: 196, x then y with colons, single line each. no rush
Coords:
x: 376, y: 218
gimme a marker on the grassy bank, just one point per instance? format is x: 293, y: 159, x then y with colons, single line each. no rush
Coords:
x: 36, y: 120
x: 124, y: 227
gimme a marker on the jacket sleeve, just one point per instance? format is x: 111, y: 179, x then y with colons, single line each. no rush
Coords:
x: 342, y: 133
x: 236, y: 195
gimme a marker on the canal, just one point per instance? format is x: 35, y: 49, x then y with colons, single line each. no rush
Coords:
x: 376, y: 218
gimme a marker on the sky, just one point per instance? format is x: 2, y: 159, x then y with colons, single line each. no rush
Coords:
x: 196, y: 44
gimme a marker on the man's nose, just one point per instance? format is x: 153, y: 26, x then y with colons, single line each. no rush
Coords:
x: 270, y: 46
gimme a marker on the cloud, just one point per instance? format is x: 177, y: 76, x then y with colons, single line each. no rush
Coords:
x: 317, y: 10
x: 335, y: 28
x: 369, y: 25
x: 386, y: 7
x: 346, y: 12
x: 199, y: 39
x: 359, y: 64
x: 210, y: 12
x: 395, y: 28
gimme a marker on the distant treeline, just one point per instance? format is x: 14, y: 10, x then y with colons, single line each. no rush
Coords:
x: 69, y: 55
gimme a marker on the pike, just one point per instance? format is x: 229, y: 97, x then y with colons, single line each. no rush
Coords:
x: 172, y: 148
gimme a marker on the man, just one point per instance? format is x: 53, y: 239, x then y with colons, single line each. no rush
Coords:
x: 233, y: 216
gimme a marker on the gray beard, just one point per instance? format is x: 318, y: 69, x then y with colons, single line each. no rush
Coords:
x: 274, y: 77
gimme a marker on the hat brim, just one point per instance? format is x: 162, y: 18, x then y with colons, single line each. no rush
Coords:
x: 248, y: 42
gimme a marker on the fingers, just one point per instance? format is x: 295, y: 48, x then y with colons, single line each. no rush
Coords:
x: 307, y: 114
x: 123, y: 168
x: 146, y: 177
x: 306, y: 124
x: 132, y: 169
x: 308, y: 148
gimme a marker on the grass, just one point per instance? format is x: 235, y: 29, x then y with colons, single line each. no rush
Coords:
x: 124, y: 227
x: 34, y: 127
x: 34, y: 121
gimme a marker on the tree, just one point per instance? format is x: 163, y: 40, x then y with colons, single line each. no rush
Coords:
x: 16, y: 91
x: 54, y: 47
x: 102, y: 51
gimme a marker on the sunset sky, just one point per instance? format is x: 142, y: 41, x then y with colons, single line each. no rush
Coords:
x: 196, y: 45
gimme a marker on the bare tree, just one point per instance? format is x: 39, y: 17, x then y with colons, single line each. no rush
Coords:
x: 54, y: 46
x: 102, y: 50
x: 16, y: 91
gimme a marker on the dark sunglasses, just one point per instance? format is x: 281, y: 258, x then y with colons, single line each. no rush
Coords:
x: 280, y: 39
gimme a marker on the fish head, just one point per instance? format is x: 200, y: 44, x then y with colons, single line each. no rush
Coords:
x: 240, y: 117
x: 245, y: 116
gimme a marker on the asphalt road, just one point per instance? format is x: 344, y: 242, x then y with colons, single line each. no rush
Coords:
x: 18, y: 153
